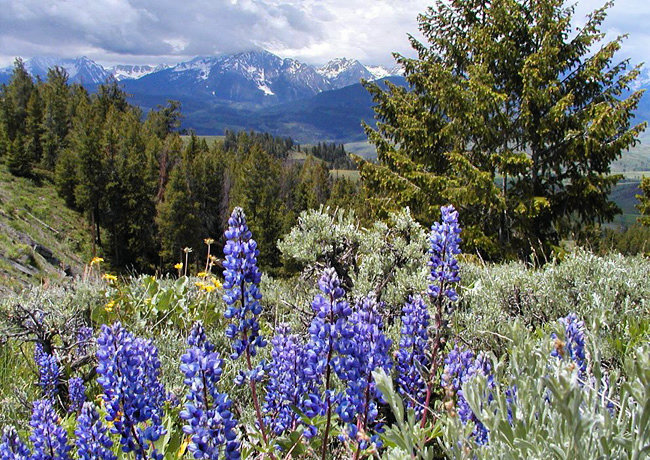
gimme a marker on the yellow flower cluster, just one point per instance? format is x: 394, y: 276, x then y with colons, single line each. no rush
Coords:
x: 209, y: 286
x: 108, y: 277
x: 179, y: 266
x: 96, y: 260
x: 109, y: 306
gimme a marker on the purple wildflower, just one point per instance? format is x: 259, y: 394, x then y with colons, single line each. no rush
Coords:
x: 129, y: 371
x: 11, y: 447
x: 460, y: 367
x: 411, y: 356
x: 288, y: 385
x: 368, y: 351
x: 92, y: 440
x: 48, y: 372
x: 207, y: 414
x: 445, y: 246
x: 49, y: 438
x: 573, y: 346
x: 241, y: 291
x: 77, y: 394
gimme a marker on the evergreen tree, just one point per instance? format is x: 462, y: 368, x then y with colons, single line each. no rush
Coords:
x: 33, y: 129
x: 510, y: 116
x: 644, y: 201
x: 257, y: 190
x: 56, y: 116
x: 17, y: 96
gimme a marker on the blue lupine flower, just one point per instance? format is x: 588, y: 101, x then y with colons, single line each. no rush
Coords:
x: 288, y: 385
x: 77, y: 394
x: 445, y: 245
x: 84, y: 339
x: 92, y: 440
x: 11, y: 447
x: 49, y: 438
x: 368, y: 351
x: 574, y: 341
x: 48, y: 372
x: 411, y: 356
x: 129, y: 370
x: 461, y: 366
x: 207, y: 414
x: 241, y: 291
x: 329, y: 334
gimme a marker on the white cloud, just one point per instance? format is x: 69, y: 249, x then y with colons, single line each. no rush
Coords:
x: 146, y: 31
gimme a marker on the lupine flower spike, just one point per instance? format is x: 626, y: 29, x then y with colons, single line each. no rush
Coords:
x: 242, y: 296
x: 49, y: 438
x: 77, y: 394
x: 329, y: 333
x: 92, y: 440
x: 368, y: 351
x: 573, y: 346
x: 411, y: 356
x: 445, y: 246
x: 461, y: 366
x: 129, y: 370
x: 11, y: 447
x: 207, y: 414
x: 48, y: 372
x: 288, y: 384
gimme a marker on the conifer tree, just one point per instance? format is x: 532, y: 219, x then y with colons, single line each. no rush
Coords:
x: 510, y: 115
x: 56, y: 115
x: 644, y: 201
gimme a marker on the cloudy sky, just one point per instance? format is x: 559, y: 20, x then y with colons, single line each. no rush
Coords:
x: 314, y: 31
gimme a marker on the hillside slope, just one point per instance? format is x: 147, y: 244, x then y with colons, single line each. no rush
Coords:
x: 41, y: 240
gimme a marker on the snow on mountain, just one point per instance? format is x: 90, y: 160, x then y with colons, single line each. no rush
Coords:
x: 80, y: 70
x: 343, y: 72
x: 255, y: 76
x: 133, y: 72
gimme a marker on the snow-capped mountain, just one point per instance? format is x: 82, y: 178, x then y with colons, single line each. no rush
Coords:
x: 344, y: 72
x: 80, y: 70
x: 133, y: 72
x: 256, y: 77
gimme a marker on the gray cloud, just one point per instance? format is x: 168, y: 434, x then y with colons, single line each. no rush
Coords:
x: 152, y: 31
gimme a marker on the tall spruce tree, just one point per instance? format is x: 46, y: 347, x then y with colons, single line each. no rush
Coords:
x: 512, y: 115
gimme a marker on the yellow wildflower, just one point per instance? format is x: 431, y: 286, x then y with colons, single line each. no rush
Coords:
x: 109, y: 306
x: 208, y: 241
x: 208, y: 288
x: 216, y: 283
x: 183, y: 448
x: 202, y: 274
x: 199, y: 284
x: 179, y: 266
x: 108, y: 277
x: 96, y: 260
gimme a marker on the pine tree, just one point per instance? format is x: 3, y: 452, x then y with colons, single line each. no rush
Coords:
x: 56, y: 116
x: 644, y: 201
x: 510, y: 116
x: 33, y: 129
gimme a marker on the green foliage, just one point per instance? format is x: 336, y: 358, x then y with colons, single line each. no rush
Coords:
x: 555, y: 414
x: 611, y: 290
x: 644, y: 201
x: 510, y: 116
x: 405, y: 438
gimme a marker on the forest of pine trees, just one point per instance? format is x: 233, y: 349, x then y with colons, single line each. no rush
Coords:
x: 146, y: 192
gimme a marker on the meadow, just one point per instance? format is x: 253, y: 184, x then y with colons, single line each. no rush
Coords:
x: 387, y: 343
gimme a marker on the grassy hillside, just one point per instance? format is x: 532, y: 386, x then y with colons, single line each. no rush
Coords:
x: 41, y: 240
